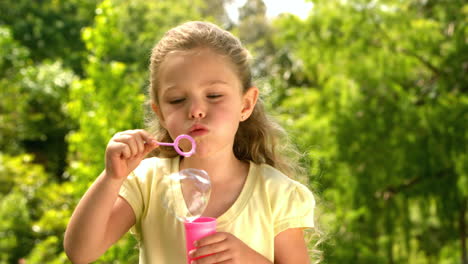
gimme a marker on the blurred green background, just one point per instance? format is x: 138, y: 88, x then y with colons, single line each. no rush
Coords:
x: 374, y: 93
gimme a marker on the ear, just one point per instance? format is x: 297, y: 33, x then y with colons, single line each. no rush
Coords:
x: 158, y: 113
x: 249, y: 99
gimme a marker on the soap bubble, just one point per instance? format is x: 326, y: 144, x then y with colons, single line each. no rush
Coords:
x: 187, y: 194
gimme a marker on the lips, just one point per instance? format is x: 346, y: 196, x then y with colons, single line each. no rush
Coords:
x: 198, y: 130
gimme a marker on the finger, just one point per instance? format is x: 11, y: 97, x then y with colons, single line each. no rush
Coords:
x: 211, y: 239
x: 150, y: 146
x: 147, y: 137
x: 219, y: 257
x: 130, y: 141
x: 122, y: 150
x: 226, y: 261
x: 140, y: 142
x: 208, y: 249
x: 143, y: 139
x: 147, y: 149
x: 146, y: 142
x: 117, y: 150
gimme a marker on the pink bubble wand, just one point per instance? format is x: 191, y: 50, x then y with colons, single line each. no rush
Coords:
x: 175, y: 145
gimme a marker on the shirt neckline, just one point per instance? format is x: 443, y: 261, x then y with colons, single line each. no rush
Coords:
x: 236, y: 208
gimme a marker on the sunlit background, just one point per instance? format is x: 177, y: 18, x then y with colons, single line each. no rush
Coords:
x: 274, y: 8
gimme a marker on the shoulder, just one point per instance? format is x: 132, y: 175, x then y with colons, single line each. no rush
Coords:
x: 140, y: 184
x: 154, y: 167
x: 291, y: 203
x: 277, y: 182
x: 282, y: 191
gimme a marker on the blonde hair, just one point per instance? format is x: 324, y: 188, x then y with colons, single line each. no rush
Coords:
x: 259, y: 139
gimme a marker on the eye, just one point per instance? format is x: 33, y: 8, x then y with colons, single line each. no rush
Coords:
x: 176, y: 101
x: 214, y: 96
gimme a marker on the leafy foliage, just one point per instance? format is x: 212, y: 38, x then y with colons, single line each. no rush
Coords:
x: 52, y: 29
x: 389, y: 123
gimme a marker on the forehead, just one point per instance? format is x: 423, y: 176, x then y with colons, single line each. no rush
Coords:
x: 196, y: 65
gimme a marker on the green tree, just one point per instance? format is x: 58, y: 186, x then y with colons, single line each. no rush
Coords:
x: 12, y: 59
x: 32, y: 109
x: 51, y: 29
x: 255, y: 32
x: 386, y: 118
x: 21, y: 181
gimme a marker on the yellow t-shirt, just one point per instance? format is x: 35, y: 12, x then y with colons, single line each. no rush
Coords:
x: 268, y: 204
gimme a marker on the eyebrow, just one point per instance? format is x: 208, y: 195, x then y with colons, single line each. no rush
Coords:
x: 205, y: 83
x: 216, y: 81
x: 169, y: 87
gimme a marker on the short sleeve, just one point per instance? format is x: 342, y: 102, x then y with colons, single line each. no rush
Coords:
x: 296, y: 209
x: 133, y: 191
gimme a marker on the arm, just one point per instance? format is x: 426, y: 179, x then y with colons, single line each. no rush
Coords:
x: 102, y: 217
x: 290, y: 247
x: 221, y: 247
x: 99, y: 220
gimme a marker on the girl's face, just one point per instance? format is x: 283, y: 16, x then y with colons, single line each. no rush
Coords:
x: 200, y: 95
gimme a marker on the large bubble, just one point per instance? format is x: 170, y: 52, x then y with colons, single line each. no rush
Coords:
x: 188, y: 194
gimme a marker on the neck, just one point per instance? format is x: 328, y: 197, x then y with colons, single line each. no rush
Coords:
x: 221, y: 167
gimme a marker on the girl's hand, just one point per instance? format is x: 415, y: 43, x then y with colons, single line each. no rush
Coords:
x: 223, y: 248
x: 125, y: 151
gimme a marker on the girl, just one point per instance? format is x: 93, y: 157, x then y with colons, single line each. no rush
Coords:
x: 200, y: 85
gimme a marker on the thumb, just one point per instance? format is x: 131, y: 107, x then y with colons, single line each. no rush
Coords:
x: 151, y: 145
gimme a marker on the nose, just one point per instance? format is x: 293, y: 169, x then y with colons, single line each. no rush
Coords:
x: 197, y: 109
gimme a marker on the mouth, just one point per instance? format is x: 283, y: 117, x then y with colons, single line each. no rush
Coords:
x: 197, y: 130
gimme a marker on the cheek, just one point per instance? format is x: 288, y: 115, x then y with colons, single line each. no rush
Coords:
x: 172, y: 119
x: 224, y: 111
x: 229, y: 118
